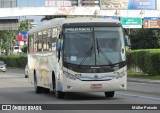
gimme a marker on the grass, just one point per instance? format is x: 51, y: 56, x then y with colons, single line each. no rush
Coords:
x: 142, y: 75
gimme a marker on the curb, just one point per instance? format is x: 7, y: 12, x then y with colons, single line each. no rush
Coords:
x: 143, y: 80
x: 14, y: 68
x: 9, y: 70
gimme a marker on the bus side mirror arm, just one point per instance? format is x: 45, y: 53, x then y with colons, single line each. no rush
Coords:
x: 59, y: 47
x: 59, y: 55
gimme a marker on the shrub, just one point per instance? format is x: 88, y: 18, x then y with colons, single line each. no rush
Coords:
x: 14, y: 60
x: 146, y: 60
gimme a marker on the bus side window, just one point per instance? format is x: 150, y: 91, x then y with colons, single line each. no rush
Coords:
x: 39, y: 49
x: 35, y: 42
x: 48, y: 39
x: 45, y: 44
x: 31, y: 43
x: 53, y: 39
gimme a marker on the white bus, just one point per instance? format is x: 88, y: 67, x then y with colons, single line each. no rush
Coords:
x: 77, y: 55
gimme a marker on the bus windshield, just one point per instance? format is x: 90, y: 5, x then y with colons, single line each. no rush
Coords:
x: 93, y: 45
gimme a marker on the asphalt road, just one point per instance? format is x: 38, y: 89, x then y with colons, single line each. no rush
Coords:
x: 15, y: 89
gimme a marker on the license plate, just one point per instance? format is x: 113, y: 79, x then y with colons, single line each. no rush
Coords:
x: 94, y: 86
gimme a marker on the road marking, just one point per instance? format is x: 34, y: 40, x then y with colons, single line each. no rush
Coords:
x: 152, y: 98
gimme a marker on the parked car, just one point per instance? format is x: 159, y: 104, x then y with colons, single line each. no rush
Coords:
x: 2, y: 66
x: 26, y: 71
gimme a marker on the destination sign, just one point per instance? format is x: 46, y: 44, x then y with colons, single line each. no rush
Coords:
x: 78, y: 29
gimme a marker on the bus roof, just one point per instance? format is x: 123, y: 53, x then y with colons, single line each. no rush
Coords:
x: 61, y: 21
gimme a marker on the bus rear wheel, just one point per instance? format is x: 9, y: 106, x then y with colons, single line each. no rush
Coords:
x: 109, y: 94
x: 38, y: 89
x: 46, y: 90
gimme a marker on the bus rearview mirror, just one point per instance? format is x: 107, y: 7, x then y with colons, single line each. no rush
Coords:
x: 127, y: 41
x: 60, y: 44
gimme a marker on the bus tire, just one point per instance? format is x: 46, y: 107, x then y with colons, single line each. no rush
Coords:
x: 58, y: 94
x: 38, y: 89
x: 53, y: 81
x: 109, y: 94
x: 26, y: 76
x: 46, y: 90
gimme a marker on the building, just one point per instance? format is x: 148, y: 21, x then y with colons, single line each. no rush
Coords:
x: 8, y: 3
x: 11, y: 22
x: 61, y: 3
x: 74, y: 2
x: 91, y: 3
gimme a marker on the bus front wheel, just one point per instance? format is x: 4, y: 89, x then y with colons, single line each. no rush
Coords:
x: 58, y: 94
x: 109, y: 94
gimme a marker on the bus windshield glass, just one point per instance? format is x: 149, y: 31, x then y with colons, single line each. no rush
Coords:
x: 93, y: 45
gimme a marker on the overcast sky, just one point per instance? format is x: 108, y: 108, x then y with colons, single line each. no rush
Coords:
x: 31, y: 3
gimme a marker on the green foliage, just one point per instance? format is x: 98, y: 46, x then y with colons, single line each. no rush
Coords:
x: 148, y: 61
x: 14, y: 60
x: 145, y: 38
x: 142, y: 75
x: 24, y: 25
x: 6, y: 38
x: 49, y: 17
x: 24, y: 49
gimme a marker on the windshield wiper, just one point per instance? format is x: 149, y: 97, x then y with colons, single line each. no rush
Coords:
x: 105, y: 56
x: 89, y: 52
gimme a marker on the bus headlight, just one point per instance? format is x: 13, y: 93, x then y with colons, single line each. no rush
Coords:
x: 120, y: 74
x: 70, y: 76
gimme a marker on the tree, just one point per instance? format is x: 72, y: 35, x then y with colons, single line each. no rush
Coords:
x: 49, y: 17
x: 25, y: 25
x: 145, y: 38
x: 6, y: 38
x: 57, y: 16
x: 24, y: 49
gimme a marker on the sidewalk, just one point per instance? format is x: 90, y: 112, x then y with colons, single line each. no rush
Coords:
x: 130, y: 79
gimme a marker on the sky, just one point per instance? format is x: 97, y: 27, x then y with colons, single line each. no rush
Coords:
x: 34, y: 3
x: 30, y: 3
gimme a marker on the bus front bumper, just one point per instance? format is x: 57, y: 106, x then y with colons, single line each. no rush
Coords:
x: 95, y: 86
